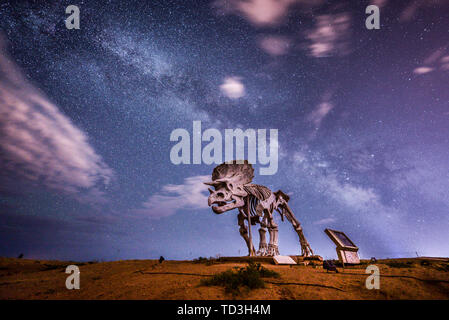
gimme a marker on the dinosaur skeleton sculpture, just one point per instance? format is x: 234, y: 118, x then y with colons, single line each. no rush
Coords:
x: 256, y: 204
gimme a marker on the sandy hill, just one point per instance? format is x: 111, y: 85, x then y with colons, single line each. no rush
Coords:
x: 148, y: 279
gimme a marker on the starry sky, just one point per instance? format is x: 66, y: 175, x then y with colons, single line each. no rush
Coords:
x: 86, y: 117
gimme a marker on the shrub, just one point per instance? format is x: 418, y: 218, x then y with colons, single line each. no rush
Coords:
x: 425, y: 263
x: 248, y: 278
x: 207, y: 261
x: 200, y: 260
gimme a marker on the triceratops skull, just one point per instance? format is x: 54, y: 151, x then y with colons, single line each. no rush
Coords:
x: 226, y: 196
x: 228, y: 180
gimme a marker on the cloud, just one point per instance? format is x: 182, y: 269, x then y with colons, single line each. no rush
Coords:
x: 409, y: 13
x: 275, y: 45
x: 353, y: 196
x: 434, y: 56
x: 437, y: 60
x: 319, y: 113
x: 379, y: 3
x: 39, y: 143
x: 356, y: 203
x: 445, y: 63
x: 258, y: 12
x: 422, y: 70
x: 362, y: 160
x: 325, y: 221
x: 325, y: 178
x: 233, y: 87
x: 190, y: 195
x: 262, y: 13
x: 330, y: 37
x: 426, y: 173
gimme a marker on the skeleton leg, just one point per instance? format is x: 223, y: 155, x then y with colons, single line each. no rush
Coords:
x: 263, y: 248
x: 244, y: 233
x: 273, y: 245
x: 306, y: 250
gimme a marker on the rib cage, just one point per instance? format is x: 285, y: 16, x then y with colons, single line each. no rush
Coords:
x: 256, y: 194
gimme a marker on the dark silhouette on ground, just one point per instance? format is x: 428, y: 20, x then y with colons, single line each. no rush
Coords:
x: 329, y: 265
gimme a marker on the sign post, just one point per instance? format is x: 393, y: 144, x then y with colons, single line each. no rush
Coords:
x: 346, y: 249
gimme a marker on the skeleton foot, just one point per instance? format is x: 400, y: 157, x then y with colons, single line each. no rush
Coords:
x: 273, y: 250
x: 273, y: 245
x: 306, y: 250
x: 263, y: 250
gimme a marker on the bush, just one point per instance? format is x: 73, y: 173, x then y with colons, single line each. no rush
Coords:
x: 425, y: 263
x: 200, y: 260
x: 249, y: 278
x: 207, y: 261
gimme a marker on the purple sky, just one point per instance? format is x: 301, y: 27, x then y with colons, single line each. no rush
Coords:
x: 86, y: 117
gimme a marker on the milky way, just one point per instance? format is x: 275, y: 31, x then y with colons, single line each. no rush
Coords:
x: 86, y: 117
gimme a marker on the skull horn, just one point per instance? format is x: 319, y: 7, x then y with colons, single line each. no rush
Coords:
x: 215, y: 182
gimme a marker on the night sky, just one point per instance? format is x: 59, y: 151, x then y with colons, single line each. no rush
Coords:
x: 86, y: 117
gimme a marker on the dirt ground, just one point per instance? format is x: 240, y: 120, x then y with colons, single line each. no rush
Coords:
x: 149, y: 279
